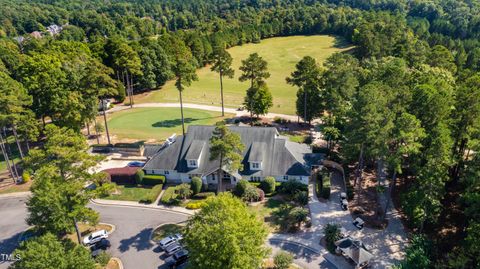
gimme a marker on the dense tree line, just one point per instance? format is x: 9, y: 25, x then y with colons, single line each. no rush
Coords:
x: 407, y: 98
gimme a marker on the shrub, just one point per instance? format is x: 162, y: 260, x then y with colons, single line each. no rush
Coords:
x: 105, y: 189
x: 169, y: 196
x: 196, y: 185
x: 26, y: 176
x: 250, y: 194
x: 194, y: 205
x: 298, y: 215
x: 183, y: 191
x: 153, y: 180
x: 241, y: 187
x: 326, y: 187
x: 282, y: 260
x: 332, y: 234
x: 292, y: 186
x: 139, y: 176
x: 301, y: 197
x: 103, y: 258
x: 203, y: 195
x: 261, y: 194
x: 268, y: 185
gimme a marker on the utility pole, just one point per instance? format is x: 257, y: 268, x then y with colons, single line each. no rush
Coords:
x: 105, y: 119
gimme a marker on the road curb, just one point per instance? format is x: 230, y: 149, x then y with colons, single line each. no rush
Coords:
x: 319, y: 252
x: 151, y: 235
x: 16, y: 194
x: 141, y: 206
x: 120, y: 264
x: 111, y: 225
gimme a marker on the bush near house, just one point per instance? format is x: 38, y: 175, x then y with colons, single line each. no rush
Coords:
x: 153, y: 180
x: 268, y: 185
x: 203, y: 195
x: 170, y: 196
x: 326, y: 187
x: 241, y: 187
x: 291, y: 187
x: 196, y: 185
x: 26, y: 176
x: 139, y: 176
x: 194, y: 205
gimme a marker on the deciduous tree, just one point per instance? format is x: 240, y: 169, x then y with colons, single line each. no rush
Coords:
x: 225, y: 234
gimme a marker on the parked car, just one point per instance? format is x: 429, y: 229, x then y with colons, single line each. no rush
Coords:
x: 135, y: 164
x: 170, y: 250
x: 102, y: 244
x: 95, y: 237
x: 167, y: 241
x: 177, y: 259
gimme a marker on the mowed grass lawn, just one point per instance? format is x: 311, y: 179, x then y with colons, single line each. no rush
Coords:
x: 157, y: 123
x: 281, y: 53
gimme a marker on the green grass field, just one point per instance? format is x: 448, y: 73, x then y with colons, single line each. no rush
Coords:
x: 281, y: 53
x: 157, y: 123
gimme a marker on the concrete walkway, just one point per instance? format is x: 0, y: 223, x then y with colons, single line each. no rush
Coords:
x: 202, y: 107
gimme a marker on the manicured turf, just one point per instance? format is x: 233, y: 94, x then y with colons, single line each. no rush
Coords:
x: 146, y: 194
x: 281, y: 53
x: 157, y: 123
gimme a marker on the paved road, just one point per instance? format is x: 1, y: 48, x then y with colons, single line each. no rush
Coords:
x: 12, y: 223
x: 303, y: 256
x: 202, y: 107
x: 130, y: 242
x: 134, y: 226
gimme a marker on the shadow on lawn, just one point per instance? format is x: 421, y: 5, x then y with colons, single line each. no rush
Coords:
x: 172, y: 123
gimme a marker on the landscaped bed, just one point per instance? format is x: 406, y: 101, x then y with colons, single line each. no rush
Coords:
x: 16, y: 188
x: 137, y: 193
x: 166, y: 230
x: 86, y: 229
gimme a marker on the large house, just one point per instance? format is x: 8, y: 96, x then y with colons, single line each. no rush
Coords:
x: 266, y: 154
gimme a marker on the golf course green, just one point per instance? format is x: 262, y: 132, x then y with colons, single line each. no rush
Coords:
x: 156, y: 124
x: 281, y: 53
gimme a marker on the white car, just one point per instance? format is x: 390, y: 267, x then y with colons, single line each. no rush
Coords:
x: 169, y: 240
x: 95, y: 237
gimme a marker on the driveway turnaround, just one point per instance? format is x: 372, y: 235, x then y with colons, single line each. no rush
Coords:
x: 134, y: 226
x: 303, y: 256
x: 130, y: 240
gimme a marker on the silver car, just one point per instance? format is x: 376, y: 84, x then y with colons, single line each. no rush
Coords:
x: 172, y: 249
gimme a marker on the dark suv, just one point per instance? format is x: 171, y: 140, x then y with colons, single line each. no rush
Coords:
x: 179, y: 258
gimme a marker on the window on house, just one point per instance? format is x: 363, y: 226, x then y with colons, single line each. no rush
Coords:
x: 285, y: 177
x: 255, y: 165
x: 192, y: 163
x: 166, y: 172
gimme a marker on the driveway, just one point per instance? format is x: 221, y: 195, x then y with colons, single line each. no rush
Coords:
x: 130, y: 241
x: 386, y: 245
x: 303, y: 256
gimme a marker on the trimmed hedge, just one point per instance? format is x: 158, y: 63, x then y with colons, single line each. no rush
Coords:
x: 194, y: 205
x: 326, y: 187
x: 139, y: 176
x: 196, y: 185
x: 170, y: 197
x: 268, y: 185
x: 203, y: 195
x: 153, y: 180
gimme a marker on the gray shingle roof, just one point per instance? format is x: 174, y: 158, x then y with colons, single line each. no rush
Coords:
x: 278, y: 156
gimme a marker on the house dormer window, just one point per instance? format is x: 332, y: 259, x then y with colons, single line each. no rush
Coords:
x: 192, y: 163
x: 255, y: 165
